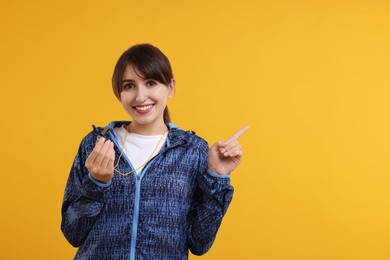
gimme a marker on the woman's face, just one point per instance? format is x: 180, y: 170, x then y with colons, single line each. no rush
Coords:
x: 144, y: 100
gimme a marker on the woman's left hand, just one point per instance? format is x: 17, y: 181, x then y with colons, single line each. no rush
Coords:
x: 225, y: 156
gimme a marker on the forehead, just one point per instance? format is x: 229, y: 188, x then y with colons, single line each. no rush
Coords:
x: 131, y: 72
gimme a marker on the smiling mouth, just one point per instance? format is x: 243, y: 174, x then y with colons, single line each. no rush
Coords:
x: 143, y: 108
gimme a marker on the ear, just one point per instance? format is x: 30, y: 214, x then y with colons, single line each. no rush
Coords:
x: 171, y: 89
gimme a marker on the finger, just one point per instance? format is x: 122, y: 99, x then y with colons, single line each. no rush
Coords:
x: 217, y: 146
x: 228, y: 146
x: 92, y: 156
x: 237, y: 134
x: 107, y: 156
x: 112, y: 159
x: 236, y: 153
x: 228, y: 151
x: 108, y: 161
x: 100, y: 137
x: 102, y: 154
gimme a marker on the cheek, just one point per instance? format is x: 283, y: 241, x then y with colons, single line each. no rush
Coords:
x: 121, y: 98
x: 124, y: 100
x: 164, y: 95
x: 125, y: 97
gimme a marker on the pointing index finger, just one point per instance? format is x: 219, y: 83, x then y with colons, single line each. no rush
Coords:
x: 238, y: 134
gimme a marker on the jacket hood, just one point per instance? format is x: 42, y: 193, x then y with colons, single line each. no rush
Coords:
x: 175, y: 134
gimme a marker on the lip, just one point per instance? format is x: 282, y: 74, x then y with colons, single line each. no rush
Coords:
x: 142, y: 106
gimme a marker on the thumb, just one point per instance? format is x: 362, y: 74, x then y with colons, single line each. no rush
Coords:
x: 217, y: 146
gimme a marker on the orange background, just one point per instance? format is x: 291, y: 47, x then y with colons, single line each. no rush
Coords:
x: 311, y: 78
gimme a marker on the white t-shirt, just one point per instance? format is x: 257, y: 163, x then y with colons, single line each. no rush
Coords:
x: 138, y: 148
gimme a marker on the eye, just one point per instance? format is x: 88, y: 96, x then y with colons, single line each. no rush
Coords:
x: 151, y: 83
x: 128, y: 85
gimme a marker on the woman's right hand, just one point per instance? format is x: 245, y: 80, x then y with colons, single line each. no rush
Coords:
x: 100, y: 163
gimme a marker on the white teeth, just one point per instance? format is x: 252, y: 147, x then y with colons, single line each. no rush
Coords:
x: 143, y: 108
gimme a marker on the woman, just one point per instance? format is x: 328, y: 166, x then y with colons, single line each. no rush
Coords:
x: 146, y: 189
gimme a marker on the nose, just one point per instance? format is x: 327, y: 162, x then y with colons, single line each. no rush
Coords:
x: 141, y: 94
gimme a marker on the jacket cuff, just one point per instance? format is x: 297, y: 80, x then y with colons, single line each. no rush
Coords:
x: 214, y: 174
x: 218, y: 187
x: 93, y: 191
x: 98, y: 183
x: 216, y: 183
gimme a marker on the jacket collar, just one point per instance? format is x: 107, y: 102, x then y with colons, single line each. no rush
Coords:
x: 176, y: 136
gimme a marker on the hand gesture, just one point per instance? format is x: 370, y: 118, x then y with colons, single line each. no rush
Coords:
x: 224, y: 157
x: 100, y: 163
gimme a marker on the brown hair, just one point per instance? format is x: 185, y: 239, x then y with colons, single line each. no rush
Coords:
x: 150, y: 62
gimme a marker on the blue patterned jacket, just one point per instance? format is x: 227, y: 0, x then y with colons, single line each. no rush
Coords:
x: 176, y: 203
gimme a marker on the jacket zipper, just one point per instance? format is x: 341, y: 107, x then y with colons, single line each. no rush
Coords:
x: 137, y: 195
x: 137, y: 201
x: 138, y: 178
x: 135, y: 216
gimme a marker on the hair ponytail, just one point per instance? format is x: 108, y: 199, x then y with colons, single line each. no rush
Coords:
x: 167, y: 117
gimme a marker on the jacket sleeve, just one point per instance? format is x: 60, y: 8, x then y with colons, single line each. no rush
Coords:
x: 211, y: 201
x: 83, y: 199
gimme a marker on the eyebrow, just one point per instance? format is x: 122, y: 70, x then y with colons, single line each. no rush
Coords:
x: 127, y: 80
x: 146, y: 79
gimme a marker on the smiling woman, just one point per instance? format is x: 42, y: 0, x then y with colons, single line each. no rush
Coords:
x: 171, y: 190
x: 145, y: 100
x: 148, y: 61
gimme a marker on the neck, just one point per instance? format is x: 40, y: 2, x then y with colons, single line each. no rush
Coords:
x: 147, y: 130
